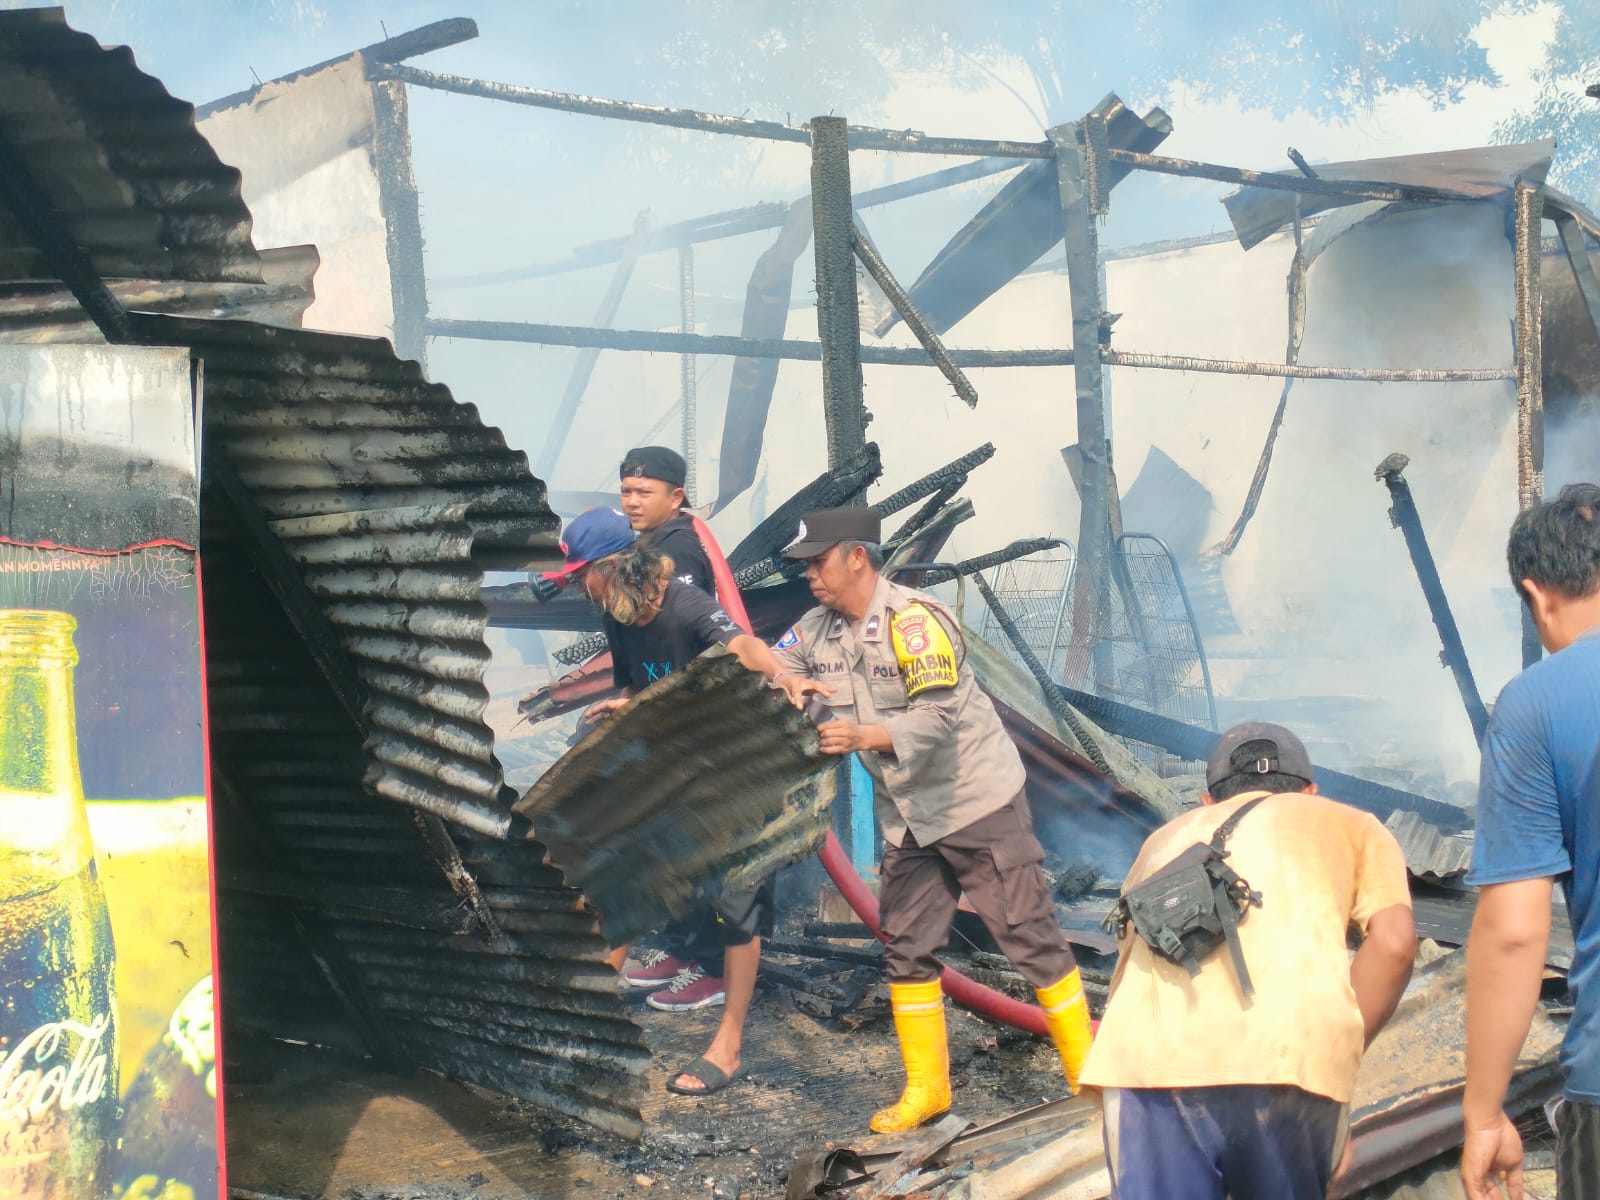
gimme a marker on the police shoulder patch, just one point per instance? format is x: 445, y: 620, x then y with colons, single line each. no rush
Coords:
x: 923, y: 649
x: 792, y: 638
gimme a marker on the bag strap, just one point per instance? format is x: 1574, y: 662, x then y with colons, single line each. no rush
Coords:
x: 1225, y: 830
x: 1230, y: 934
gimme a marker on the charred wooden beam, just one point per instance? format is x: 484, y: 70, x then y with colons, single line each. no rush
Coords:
x: 1528, y: 210
x: 726, y: 344
x: 1341, y: 189
x: 970, y: 567
x: 1076, y: 175
x: 688, y: 385
x: 934, y: 481
x: 731, y: 223
x: 666, y: 342
x: 460, y: 878
x: 838, y: 312
x: 908, y: 141
x: 1271, y: 370
x: 583, y: 370
x: 912, y: 316
x: 1406, y: 518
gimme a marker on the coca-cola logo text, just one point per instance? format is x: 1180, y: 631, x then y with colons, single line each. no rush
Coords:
x: 34, y: 1079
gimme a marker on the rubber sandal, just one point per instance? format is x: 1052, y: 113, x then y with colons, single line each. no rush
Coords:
x: 713, y: 1076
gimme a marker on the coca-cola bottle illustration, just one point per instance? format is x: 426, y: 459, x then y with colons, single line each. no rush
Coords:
x: 167, y: 1147
x: 58, y: 1025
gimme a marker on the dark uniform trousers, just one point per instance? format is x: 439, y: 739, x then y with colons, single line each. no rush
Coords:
x: 998, y: 862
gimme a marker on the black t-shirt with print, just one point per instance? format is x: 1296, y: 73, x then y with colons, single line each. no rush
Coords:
x: 679, y: 542
x: 689, y: 622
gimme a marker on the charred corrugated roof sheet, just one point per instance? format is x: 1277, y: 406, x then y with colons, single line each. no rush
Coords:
x: 44, y: 311
x: 1430, y: 852
x: 708, y: 774
x: 127, y: 175
x: 337, y: 922
x: 393, y: 499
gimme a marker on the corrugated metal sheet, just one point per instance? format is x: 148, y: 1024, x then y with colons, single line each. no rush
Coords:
x: 393, y: 499
x: 337, y: 922
x: 448, y: 950
x: 1430, y: 853
x: 127, y: 175
x: 1487, y: 172
x: 48, y: 312
x: 709, y: 773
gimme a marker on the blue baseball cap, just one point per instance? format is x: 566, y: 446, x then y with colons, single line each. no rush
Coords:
x: 590, y: 536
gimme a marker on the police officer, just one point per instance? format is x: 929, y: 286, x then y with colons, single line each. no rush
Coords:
x: 948, y: 796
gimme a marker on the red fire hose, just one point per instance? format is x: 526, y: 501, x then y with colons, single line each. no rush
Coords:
x: 968, y: 993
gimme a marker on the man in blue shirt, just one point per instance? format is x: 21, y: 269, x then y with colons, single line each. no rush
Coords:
x: 1539, y: 821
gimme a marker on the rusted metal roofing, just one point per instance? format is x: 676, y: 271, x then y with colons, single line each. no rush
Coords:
x: 1430, y: 853
x: 123, y: 169
x: 708, y: 778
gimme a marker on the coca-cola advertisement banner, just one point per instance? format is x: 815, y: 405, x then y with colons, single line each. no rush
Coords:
x: 108, y: 1046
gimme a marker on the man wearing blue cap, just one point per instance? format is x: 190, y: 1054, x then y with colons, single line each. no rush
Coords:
x: 656, y: 624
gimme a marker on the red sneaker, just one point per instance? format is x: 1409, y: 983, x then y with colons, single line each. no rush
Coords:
x: 654, y: 969
x: 691, y: 988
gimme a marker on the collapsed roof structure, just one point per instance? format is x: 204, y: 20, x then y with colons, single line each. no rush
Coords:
x: 373, y: 872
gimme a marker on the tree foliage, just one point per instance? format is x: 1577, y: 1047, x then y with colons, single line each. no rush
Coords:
x: 1323, y: 57
x: 1562, y: 111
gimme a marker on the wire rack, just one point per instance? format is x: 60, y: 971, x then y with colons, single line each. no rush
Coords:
x: 1152, y: 656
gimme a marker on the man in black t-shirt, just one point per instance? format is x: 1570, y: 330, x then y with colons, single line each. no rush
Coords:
x: 687, y: 623
x: 652, y: 498
x: 656, y: 625
x: 651, y: 483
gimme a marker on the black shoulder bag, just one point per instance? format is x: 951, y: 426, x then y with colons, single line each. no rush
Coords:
x: 1192, y: 905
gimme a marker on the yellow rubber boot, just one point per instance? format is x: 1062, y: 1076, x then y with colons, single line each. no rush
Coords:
x: 1066, y: 1015
x: 925, y: 1048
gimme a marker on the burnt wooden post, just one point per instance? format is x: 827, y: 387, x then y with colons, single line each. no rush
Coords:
x: 838, y: 316
x: 1529, y: 211
x: 1082, y: 198
x: 686, y: 370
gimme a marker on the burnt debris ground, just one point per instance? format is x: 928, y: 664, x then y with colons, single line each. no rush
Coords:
x: 307, y: 1122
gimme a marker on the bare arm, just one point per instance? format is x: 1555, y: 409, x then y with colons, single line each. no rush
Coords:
x: 1505, y: 962
x: 755, y: 655
x: 1382, y: 966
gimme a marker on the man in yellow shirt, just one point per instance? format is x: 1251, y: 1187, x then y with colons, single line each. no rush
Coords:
x: 1215, y: 1089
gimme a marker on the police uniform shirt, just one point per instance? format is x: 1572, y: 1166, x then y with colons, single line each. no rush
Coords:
x: 689, y: 622
x: 902, y: 666
x: 679, y: 542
